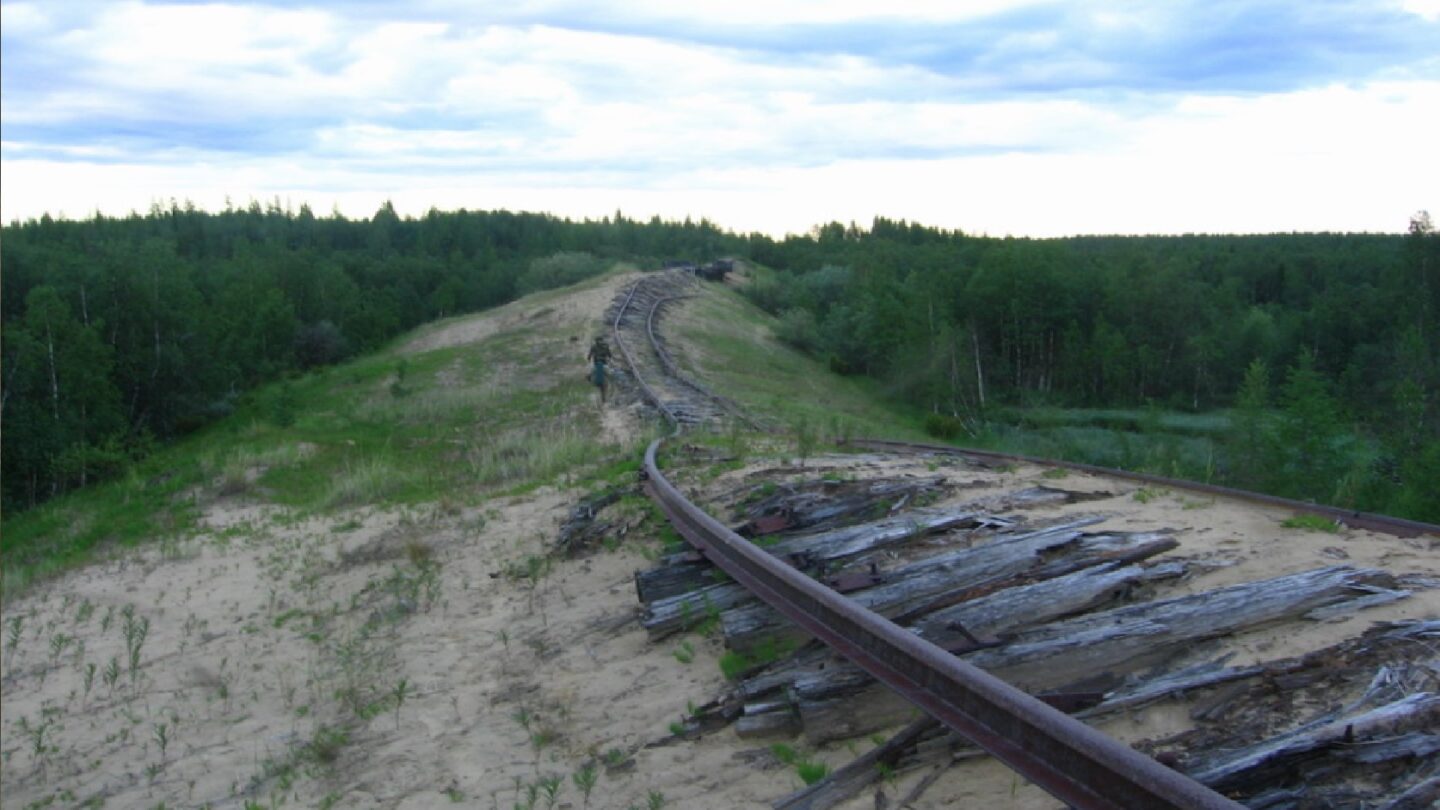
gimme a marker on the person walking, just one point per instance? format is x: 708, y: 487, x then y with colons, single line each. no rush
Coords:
x: 599, y: 356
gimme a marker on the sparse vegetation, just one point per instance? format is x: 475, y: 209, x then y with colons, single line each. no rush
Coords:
x: 685, y: 653
x: 346, y: 522
x: 1314, y: 523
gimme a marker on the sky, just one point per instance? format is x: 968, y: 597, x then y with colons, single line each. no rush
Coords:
x: 1000, y: 117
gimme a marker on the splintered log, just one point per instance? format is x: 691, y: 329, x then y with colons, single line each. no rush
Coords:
x: 816, y: 550
x: 927, y: 583
x: 676, y: 613
x: 689, y: 572
x: 1128, y: 638
x: 581, y: 531
x: 1000, y: 612
x: 1421, y: 795
x: 1380, y: 643
x: 825, y: 504
x: 1077, y: 592
x: 1009, y: 555
x: 1146, y: 691
x: 1090, y: 649
x: 1367, y: 737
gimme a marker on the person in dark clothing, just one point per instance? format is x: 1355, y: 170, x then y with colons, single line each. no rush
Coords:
x: 599, y: 356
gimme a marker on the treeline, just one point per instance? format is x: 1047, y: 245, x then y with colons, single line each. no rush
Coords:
x: 1318, y: 337
x: 121, y: 332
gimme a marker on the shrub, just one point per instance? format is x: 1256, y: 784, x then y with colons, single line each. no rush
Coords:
x: 943, y: 426
x: 798, y: 328
x: 558, y: 270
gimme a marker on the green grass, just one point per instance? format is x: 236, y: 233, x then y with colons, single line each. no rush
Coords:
x: 1133, y: 420
x: 1311, y: 523
x: 735, y: 664
x: 504, y: 415
x: 776, y: 382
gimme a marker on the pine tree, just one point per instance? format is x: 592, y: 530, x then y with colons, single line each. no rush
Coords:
x: 1252, y: 435
x: 1310, y: 433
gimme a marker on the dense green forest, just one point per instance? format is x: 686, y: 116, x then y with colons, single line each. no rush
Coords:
x: 1321, y: 342
x: 121, y: 332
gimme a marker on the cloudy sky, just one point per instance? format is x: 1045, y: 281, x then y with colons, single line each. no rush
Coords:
x: 992, y: 116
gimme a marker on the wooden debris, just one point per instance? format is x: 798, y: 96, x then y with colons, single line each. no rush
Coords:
x: 920, y: 788
x: 826, y: 504
x: 816, y: 551
x: 581, y: 531
x: 938, y: 581
x: 842, y: 701
x: 1370, y: 736
x: 862, y: 771
x: 1422, y: 796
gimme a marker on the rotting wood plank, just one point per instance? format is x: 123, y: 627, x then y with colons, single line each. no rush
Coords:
x: 914, y: 586
x: 1000, y: 612
x: 842, y: 701
x: 814, y: 549
x: 1269, y: 762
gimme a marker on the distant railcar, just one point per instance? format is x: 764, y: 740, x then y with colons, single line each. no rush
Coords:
x: 716, y: 270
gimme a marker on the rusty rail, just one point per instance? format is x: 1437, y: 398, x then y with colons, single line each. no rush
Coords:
x: 630, y: 359
x: 1073, y: 762
x: 1400, y: 527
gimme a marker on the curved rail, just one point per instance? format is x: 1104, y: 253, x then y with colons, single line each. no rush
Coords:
x: 1400, y: 527
x: 668, y: 363
x: 1074, y: 762
x: 630, y: 359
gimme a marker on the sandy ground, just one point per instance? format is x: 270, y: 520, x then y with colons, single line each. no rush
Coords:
x: 586, y: 304
x: 417, y: 658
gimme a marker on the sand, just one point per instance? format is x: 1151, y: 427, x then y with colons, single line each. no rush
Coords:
x: 456, y: 678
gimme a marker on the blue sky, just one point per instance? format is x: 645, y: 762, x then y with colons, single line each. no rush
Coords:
x: 996, y: 116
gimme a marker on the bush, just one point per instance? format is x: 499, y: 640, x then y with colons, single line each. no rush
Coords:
x: 320, y: 344
x: 798, y: 328
x: 558, y: 270
x: 280, y: 405
x: 944, y: 426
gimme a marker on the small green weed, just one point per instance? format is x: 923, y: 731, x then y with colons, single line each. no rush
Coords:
x: 1311, y: 523
x: 1146, y: 494
x: 585, y: 780
x: 812, y: 772
x: 685, y: 653
x: 734, y: 664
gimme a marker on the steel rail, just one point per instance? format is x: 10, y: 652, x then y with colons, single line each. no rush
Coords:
x: 1073, y: 762
x: 630, y: 359
x: 671, y: 368
x: 1399, y: 527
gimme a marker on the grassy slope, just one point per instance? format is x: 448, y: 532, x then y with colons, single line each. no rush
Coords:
x: 730, y: 344
x: 451, y: 425
x: 505, y: 414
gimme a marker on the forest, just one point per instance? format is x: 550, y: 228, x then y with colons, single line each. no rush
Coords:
x: 121, y: 333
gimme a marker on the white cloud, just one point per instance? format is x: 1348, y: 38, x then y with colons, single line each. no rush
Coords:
x: 1429, y: 9
x: 23, y: 19
x: 518, y: 112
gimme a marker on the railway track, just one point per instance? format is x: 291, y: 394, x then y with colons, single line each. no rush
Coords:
x: 683, y: 402
x: 1075, y: 763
